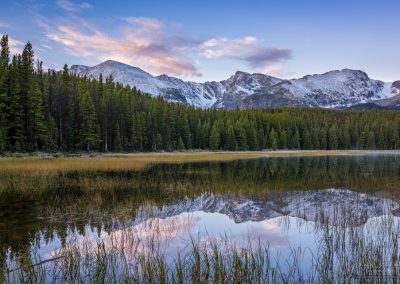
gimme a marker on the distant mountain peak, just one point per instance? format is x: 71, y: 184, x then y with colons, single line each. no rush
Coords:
x: 343, y: 74
x: 333, y: 89
x: 241, y: 73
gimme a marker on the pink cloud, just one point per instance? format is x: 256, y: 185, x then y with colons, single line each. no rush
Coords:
x: 143, y: 42
x: 151, y: 45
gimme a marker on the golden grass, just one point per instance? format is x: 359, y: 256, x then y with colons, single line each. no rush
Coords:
x: 138, y: 161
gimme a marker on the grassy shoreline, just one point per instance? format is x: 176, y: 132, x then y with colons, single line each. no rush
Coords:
x: 104, y: 161
x: 55, y: 201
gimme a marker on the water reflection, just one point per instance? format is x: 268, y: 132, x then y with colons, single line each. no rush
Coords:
x: 322, y: 205
x: 316, y: 238
x: 330, y: 206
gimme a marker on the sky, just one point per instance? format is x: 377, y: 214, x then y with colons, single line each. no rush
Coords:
x: 211, y: 40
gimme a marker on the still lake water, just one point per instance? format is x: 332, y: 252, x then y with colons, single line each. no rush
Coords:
x: 305, y: 210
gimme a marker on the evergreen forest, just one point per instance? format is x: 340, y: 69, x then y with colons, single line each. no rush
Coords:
x: 48, y: 110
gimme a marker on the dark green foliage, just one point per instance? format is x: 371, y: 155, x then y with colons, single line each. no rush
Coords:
x: 15, y: 112
x: 117, y: 145
x: 371, y: 141
x: 4, y: 87
x: 230, y: 140
x: 307, y: 144
x: 87, y: 117
x: 60, y: 111
x: 272, y: 140
x: 333, y: 137
x: 180, y: 145
x: 38, y: 132
x: 215, y: 137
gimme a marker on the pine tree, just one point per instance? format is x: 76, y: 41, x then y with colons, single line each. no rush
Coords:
x: 231, y: 143
x: 197, y: 135
x: 52, y: 133
x: 88, y: 133
x: 307, y: 144
x: 185, y: 131
x: 260, y: 137
x: 27, y: 89
x: 381, y: 139
x: 316, y: 139
x: 283, y: 140
x: 205, y: 134
x: 26, y: 68
x: 117, y: 144
x: 362, y: 140
x: 333, y: 138
x: 38, y: 137
x: 16, y: 130
x: 395, y: 137
x: 346, y: 136
x: 180, y: 145
x: 61, y: 114
x: 102, y: 113
x: 371, y: 141
x: 296, y: 139
x: 159, y: 144
x: 273, y: 140
x: 215, y: 137
x: 240, y: 134
x: 4, y: 86
x: 251, y: 137
x: 323, y: 138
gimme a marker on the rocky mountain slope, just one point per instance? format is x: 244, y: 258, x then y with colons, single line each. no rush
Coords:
x: 390, y: 103
x: 334, y: 89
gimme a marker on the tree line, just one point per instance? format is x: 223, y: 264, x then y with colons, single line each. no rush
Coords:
x: 57, y: 110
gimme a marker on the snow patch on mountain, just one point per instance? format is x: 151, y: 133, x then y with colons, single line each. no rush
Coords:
x: 334, y: 89
x: 339, y: 88
x: 170, y: 88
x: 124, y: 74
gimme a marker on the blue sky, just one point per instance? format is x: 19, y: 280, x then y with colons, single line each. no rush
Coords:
x: 210, y: 40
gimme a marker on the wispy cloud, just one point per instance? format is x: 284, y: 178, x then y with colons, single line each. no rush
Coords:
x: 46, y: 46
x: 15, y: 46
x: 248, y: 49
x: 220, y: 47
x: 143, y: 42
x: 154, y: 46
x: 73, y: 7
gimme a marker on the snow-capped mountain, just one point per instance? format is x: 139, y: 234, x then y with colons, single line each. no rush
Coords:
x: 389, y: 103
x: 334, y: 89
x: 329, y: 206
x: 338, y: 88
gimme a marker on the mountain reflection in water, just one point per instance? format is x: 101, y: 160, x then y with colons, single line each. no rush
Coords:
x: 280, y: 203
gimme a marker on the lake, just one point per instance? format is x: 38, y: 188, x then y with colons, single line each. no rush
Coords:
x: 275, y: 219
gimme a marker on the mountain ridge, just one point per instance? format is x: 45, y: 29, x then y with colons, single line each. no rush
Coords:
x: 333, y: 89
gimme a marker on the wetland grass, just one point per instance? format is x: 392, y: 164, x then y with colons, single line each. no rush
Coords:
x: 63, y: 197
x: 140, y: 161
x: 344, y: 254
